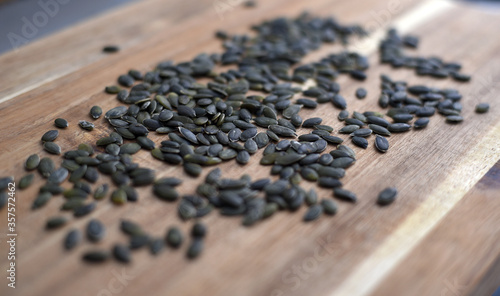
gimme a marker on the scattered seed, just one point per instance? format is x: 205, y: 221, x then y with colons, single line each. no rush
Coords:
x: 387, y: 196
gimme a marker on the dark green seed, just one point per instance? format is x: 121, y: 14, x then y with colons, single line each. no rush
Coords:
x: 377, y: 120
x: 95, y: 256
x: 50, y: 136
x: 4, y: 197
x: 360, y: 142
x: 348, y: 150
x: 398, y: 127
x: 348, y: 129
x: 327, y: 171
x: 381, y: 144
x: 156, y: 246
x: 26, y: 181
x: 380, y: 130
x: 343, y: 115
x: 421, y: 123
x: 58, y: 176
x: 313, y: 212
x: 52, y: 148
x: 311, y: 197
x: 84, y: 210
x: 282, y: 131
x: 111, y: 49
x: 131, y: 228
x: 199, y: 230
x: 138, y: 241
x: 95, y: 230
x: 288, y: 159
x: 112, y: 89
x: 339, y: 101
x: 344, y: 194
x: 32, y: 162
x: 77, y: 174
x: 309, y: 174
x: 361, y: 93
x: 119, y: 196
x: 329, y: 206
x: 186, y: 210
x: 56, y: 222
x: 454, y: 118
x: 95, y: 112
x: 72, y: 239
x: 363, y: 132
x: 41, y: 200
x: 402, y: 118
x: 86, y: 125
x: 193, y: 169
x: 165, y: 192
x: 87, y: 148
x: 342, y: 162
x: 174, y: 237
x: 387, y: 196
x: 311, y: 122
x: 52, y: 189
x: 354, y: 121
x: 130, y: 148
x: 61, y: 123
x: 73, y: 203
x: 195, y: 248
x: 121, y: 253
x: 482, y: 108
x: 328, y: 182
x: 146, y: 143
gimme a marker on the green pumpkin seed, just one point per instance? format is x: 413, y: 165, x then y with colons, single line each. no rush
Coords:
x: 387, y: 196
x: 61, y: 123
x: 50, y: 136
x: 95, y: 112
x: 52, y: 148
x: 26, y: 181
x: 32, y: 162
x: 329, y: 206
x: 56, y: 222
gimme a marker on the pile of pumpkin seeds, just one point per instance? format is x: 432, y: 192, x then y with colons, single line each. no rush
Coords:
x: 252, y: 106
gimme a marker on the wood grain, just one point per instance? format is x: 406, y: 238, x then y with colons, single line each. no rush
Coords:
x: 440, y: 230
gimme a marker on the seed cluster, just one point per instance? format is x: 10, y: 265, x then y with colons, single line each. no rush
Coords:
x: 205, y: 124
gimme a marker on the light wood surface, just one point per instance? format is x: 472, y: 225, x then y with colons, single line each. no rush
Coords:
x: 438, y: 238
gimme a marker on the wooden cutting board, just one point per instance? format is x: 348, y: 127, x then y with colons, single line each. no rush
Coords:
x: 439, y: 238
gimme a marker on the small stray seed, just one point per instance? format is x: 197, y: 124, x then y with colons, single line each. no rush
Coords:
x: 61, y: 123
x: 95, y: 112
x: 482, y: 108
x: 72, y: 239
x: 387, y: 196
